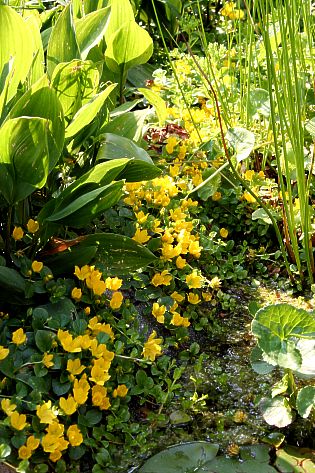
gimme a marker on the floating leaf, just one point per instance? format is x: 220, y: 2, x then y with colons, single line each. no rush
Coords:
x: 295, y: 460
x: 305, y: 401
x: 276, y: 411
x: 181, y: 458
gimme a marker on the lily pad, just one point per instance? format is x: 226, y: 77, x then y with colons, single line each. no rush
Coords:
x: 295, y: 460
x: 181, y: 458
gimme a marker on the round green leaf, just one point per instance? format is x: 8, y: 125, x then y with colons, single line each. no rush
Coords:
x: 276, y: 411
x: 242, y: 141
x: 305, y: 401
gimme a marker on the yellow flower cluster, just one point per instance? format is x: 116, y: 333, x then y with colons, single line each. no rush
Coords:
x: 93, y: 279
x: 231, y: 12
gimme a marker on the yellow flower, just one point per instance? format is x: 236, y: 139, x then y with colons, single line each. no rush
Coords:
x: 74, y: 366
x: 152, y: 348
x: 68, y: 343
x: 141, y: 236
x: 19, y: 337
x: 17, y: 233
x: 181, y: 262
x: 32, y: 226
x: 163, y: 278
x: 18, y: 421
x: 45, y: 413
x: 224, y: 232
x: 3, y: 352
x: 207, y: 296
x: 99, y: 397
x: 194, y: 249
x: 69, y: 405
x: 47, y: 360
x: 193, y: 280
x: 82, y: 273
x: 116, y: 300
x: 215, y: 283
x: 120, y: 391
x: 261, y: 174
x: 55, y: 456
x: 32, y: 442
x: 7, y: 406
x: 158, y: 312
x: 76, y: 293
x: 247, y: 196
x: 74, y: 435
x: 193, y: 298
x: 171, y: 143
x: 249, y: 174
x: 37, y: 266
x: 236, y: 15
x: 179, y: 321
x: 113, y: 283
x: 87, y: 310
x: 81, y: 390
x: 24, y: 452
x: 99, y: 372
x: 141, y: 217
x: 216, y: 196
x: 177, y: 297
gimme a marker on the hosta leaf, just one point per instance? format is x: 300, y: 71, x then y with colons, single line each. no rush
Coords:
x: 11, y: 280
x: 87, y: 206
x: 37, y: 69
x: 17, y: 43
x: 88, y: 112
x: 305, y: 401
x: 130, y: 45
x: 137, y: 170
x: 276, y: 411
x: 24, y: 163
x: 90, y: 30
x: 242, y: 141
x: 62, y: 45
x: 121, y: 12
x: 43, y: 102
x: 130, y: 125
x: 158, y: 103
x: 75, y: 83
x: 116, y: 146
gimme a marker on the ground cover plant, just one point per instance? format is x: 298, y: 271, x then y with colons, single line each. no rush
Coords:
x: 139, y: 189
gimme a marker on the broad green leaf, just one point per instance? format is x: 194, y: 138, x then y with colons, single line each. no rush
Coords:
x: 37, y: 69
x: 5, y: 451
x: 305, y: 401
x: 90, y: 30
x: 259, y: 103
x: 123, y: 108
x: 307, y: 351
x: 295, y: 460
x: 181, y: 458
x: 276, y: 411
x: 129, y: 46
x: 17, y: 43
x: 92, y: 5
x: 275, y: 326
x: 43, y: 102
x: 130, y: 125
x: 24, y: 163
x: 62, y: 45
x: 121, y: 12
x: 63, y: 262
x: 82, y: 210
x: 44, y: 340
x: 5, y: 80
x: 212, y: 185
x: 11, y: 280
x: 116, y: 146
x: 138, y: 170
x: 242, y: 141
x: 258, y: 363
x: 75, y: 83
x: 88, y: 112
x: 158, y: 103
x: 261, y: 214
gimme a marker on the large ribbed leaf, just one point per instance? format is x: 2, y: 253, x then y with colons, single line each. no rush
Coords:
x: 88, y: 112
x: 62, y: 45
x: 82, y: 210
x: 129, y: 46
x: 121, y: 12
x: 37, y: 69
x: 91, y: 29
x: 75, y: 83
x: 24, y: 162
x: 116, y: 146
x: 16, y: 42
x: 43, y: 102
